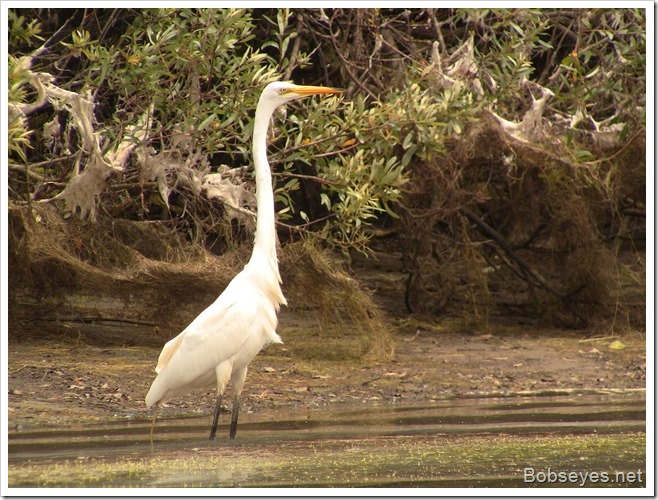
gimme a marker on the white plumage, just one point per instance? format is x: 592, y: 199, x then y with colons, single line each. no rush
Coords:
x: 221, y: 342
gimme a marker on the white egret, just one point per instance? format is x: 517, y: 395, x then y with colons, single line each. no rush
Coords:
x: 221, y: 342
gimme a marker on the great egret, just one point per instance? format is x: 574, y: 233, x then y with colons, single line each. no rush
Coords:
x: 221, y: 342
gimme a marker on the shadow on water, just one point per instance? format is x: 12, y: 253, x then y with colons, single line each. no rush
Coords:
x: 586, y: 440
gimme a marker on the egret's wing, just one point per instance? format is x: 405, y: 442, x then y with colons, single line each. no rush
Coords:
x: 213, y: 337
x: 168, y: 351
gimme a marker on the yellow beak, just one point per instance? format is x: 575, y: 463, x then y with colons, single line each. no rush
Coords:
x: 305, y: 90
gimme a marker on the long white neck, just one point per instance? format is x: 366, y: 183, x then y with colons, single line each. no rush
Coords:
x: 265, y: 243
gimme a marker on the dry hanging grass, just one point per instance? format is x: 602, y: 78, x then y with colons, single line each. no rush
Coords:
x: 59, y: 267
x: 499, y: 226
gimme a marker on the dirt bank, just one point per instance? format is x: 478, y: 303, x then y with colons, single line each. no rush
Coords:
x: 71, y: 375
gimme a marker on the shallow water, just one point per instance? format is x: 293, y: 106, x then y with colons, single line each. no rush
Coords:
x: 595, y: 440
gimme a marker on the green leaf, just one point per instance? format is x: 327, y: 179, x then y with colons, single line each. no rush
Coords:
x: 209, y: 119
x: 624, y: 132
x: 406, y: 143
x: 517, y: 28
x: 582, y: 155
x: 408, y: 155
x: 594, y: 72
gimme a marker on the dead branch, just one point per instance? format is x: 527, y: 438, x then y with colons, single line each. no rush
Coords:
x: 509, y: 250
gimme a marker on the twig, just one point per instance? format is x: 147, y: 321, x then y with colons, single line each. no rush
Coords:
x: 331, y: 153
x: 94, y: 319
x: 52, y: 161
x: 294, y: 52
x: 286, y: 152
x: 130, y: 185
x: 634, y: 212
x: 371, y: 380
x: 314, y: 178
x: 509, y: 250
x: 51, y: 40
x: 27, y: 171
x: 619, y: 151
x: 346, y: 65
x: 535, y: 234
x: 437, y: 29
x: 302, y: 227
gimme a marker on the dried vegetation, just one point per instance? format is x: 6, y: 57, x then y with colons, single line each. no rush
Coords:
x: 497, y: 226
x: 71, y: 270
x: 502, y: 151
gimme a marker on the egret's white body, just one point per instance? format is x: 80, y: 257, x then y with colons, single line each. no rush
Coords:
x: 235, y: 327
x: 221, y: 342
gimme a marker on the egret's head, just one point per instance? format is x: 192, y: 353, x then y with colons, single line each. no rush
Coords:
x: 281, y: 92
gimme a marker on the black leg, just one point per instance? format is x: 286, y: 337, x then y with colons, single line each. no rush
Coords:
x: 234, y: 417
x: 215, y: 418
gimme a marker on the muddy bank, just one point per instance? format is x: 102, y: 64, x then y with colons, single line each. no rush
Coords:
x: 73, y: 374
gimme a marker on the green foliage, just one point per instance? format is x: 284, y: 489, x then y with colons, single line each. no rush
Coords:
x: 359, y: 179
x: 21, y: 33
x: 589, y: 58
x: 193, y: 67
x: 197, y: 73
x: 610, y: 60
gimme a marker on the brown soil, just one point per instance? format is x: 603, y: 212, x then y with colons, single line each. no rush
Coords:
x: 65, y: 372
x: 66, y: 377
